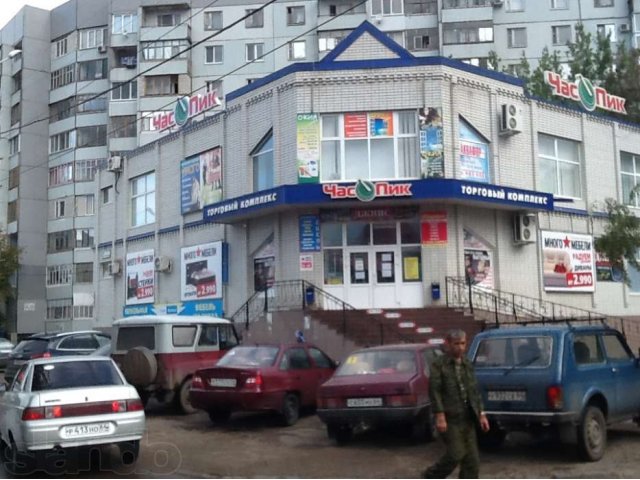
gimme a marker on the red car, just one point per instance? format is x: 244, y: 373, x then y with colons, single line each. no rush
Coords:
x: 380, y: 386
x: 281, y: 378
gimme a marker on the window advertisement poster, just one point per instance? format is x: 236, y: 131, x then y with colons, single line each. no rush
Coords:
x: 381, y: 124
x: 201, y: 180
x: 568, y: 262
x: 473, y: 154
x: 433, y: 228
x: 308, y: 144
x: 264, y: 266
x: 431, y: 143
x: 306, y: 262
x: 606, y: 271
x: 309, y: 233
x: 355, y: 125
x: 140, y: 277
x: 478, y: 261
x: 201, y: 271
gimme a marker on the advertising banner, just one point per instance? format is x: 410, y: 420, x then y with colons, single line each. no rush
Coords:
x: 306, y: 262
x: 196, y: 307
x: 355, y: 125
x: 201, y: 180
x: 434, y: 228
x: 478, y: 261
x: 264, y: 266
x: 308, y: 154
x: 606, y: 271
x: 568, y: 262
x: 201, y: 271
x: 309, y: 233
x: 431, y: 143
x: 140, y: 277
x: 474, y: 161
x: 381, y: 124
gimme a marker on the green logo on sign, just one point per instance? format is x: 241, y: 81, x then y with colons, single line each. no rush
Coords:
x: 586, y: 92
x: 365, y: 190
x: 181, y: 111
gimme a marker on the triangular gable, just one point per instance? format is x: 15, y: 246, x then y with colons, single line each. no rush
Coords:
x: 366, y: 33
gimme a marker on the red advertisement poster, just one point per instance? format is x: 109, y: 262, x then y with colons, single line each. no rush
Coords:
x: 355, y: 125
x: 434, y: 228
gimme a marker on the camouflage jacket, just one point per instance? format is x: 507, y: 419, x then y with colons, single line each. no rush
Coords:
x: 446, y: 393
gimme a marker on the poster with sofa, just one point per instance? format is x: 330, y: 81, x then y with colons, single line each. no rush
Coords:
x: 201, y: 271
x: 140, y: 277
x: 568, y: 262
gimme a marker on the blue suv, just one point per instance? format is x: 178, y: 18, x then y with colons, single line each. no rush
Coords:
x: 562, y: 379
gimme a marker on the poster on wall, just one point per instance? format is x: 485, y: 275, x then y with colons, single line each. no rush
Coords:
x: 140, y: 277
x: 306, y: 262
x: 431, y: 143
x: 433, y: 228
x: 201, y: 180
x: 309, y: 226
x: 201, y: 271
x: 308, y: 153
x: 474, y: 161
x: 568, y: 262
x: 478, y: 261
x: 355, y: 125
x: 264, y: 266
x: 606, y: 271
x: 381, y: 124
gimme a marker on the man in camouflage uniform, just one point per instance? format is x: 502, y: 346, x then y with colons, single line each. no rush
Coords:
x: 457, y: 407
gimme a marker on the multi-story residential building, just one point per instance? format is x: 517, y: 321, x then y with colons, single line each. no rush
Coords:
x: 110, y: 68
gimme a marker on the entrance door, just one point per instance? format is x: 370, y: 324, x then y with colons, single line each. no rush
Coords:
x: 386, y: 277
x: 359, y: 278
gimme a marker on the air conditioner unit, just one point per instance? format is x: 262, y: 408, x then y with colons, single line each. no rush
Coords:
x: 163, y: 264
x: 510, y: 119
x: 102, y: 48
x: 114, y: 164
x: 524, y: 228
x: 624, y: 27
x: 115, y: 267
x: 497, y: 3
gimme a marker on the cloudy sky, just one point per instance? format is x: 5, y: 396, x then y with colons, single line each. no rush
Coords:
x: 11, y: 7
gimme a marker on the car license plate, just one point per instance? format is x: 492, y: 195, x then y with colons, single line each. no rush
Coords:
x: 507, y: 396
x: 223, y: 382
x: 87, y: 430
x: 364, y: 402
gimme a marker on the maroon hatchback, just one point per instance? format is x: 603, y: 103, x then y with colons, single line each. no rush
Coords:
x: 281, y: 378
x: 380, y: 386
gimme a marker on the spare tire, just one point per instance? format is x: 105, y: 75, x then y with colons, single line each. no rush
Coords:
x: 139, y: 366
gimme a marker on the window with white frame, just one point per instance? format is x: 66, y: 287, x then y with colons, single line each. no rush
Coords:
x: 630, y: 172
x: 262, y: 159
x: 517, y: 37
x: 59, y: 275
x: 60, y: 309
x: 63, y: 76
x: 255, y: 52
x: 214, y: 86
x: 125, y: 90
x: 559, y: 4
x: 397, y: 37
x: 607, y: 30
x: 62, y: 141
x: 92, y: 38
x: 167, y: 19
x: 14, y: 145
x: 420, y: 42
x: 83, y: 311
x: 86, y: 170
x: 61, y: 174
x: 92, y: 70
x: 213, y: 54
x: 61, y: 47
x: 124, y: 126
x: 375, y: 146
x: 143, y: 199
x: 106, y: 194
x: 327, y: 41
x: 161, y: 85
x: 514, y: 6
x: 91, y: 136
x: 386, y: 7
x: 84, y: 237
x: 83, y: 272
x: 298, y: 50
x: 213, y: 20
x: 124, y: 23
x: 85, y: 205
x: 59, y: 208
x: 559, y: 166
x: 91, y: 104
x: 472, y: 32
x: 561, y: 34
x: 256, y: 20
x: 295, y: 15
x: 164, y: 49
x: 420, y: 7
x: 12, y: 211
x: 603, y: 3
x: 60, y: 241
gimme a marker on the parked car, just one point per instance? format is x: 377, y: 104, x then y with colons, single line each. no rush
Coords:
x: 52, y: 345
x: 281, y: 378
x: 159, y: 354
x: 103, y: 351
x: 380, y: 386
x: 568, y: 381
x: 68, y: 402
x: 5, y: 350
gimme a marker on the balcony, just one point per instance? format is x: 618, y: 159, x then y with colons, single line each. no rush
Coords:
x: 176, y: 32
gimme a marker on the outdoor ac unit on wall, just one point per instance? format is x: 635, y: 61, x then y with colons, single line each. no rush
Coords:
x: 524, y: 228
x: 115, y: 267
x: 510, y: 119
x: 624, y: 28
x: 163, y: 264
x: 102, y: 49
x: 114, y: 164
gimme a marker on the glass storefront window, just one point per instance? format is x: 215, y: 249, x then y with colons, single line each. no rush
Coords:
x: 331, y: 234
x: 384, y: 234
x: 359, y: 267
x: 409, y: 232
x: 333, y: 267
x: 411, y: 264
x: 358, y: 233
x: 385, y: 267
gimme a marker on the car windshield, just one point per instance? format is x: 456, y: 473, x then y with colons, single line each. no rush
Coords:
x: 31, y: 346
x: 525, y: 352
x: 59, y: 375
x: 378, y: 362
x: 249, y: 357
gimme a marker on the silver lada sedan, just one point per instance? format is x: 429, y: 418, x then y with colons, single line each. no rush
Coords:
x: 68, y: 402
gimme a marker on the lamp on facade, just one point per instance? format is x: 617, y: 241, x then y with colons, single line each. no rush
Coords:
x: 12, y: 54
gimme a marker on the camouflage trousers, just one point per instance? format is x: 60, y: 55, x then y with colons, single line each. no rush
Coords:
x: 462, y: 449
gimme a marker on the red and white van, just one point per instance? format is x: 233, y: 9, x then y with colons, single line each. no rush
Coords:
x: 159, y: 354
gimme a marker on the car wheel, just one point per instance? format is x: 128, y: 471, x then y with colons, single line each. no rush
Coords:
x: 144, y: 397
x: 16, y: 463
x: 290, y: 409
x: 129, y: 452
x: 219, y: 416
x: 493, y: 439
x: 592, y: 434
x: 182, y: 398
x: 140, y: 367
x: 341, y: 434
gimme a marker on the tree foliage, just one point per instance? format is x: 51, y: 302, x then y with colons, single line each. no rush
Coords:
x: 9, y: 262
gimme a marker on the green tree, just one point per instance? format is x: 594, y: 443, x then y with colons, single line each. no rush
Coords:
x: 623, y: 81
x: 535, y: 83
x: 493, y: 61
x: 9, y: 263
x: 593, y: 60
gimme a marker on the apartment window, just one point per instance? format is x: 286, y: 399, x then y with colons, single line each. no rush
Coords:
x: 91, y: 104
x: 15, y: 113
x: 143, y: 200
x: 146, y: 119
x: 106, y: 194
x: 124, y: 126
x: 254, y: 52
x: 397, y: 37
x: 126, y: 57
x: 17, y: 82
x: 213, y: 20
x: 514, y: 5
x: 602, y: 3
x: 61, y: 174
x: 92, y: 136
x: 84, y: 238
x: 164, y: 49
x: 83, y: 311
x: 60, y: 241
x: 59, y: 275
x: 561, y: 34
x: 327, y: 41
x: 59, y: 309
x: 298, y: 50
x: 461, y: 33
x: 214, y: 86
x: 630, y: 171
x: 386, y: 7
x: 124, y: 23
x: 86, y: 170
x: 62, y: 141
x: 381, y: 145
x: 61, y: 47
x: 63, y: 76
x: 256, y: 20
x: 420, y: 42
x: 559, y: 166
x: 59, y: 208
x: 161, y: 85
x: 12, y: 211
x: 125, y: 91
x: 465, y: 3
x: 14, y: 145
x: 262, y: 159
x: 14, y: 178
x: 62, y: 109
x: 517, y: 37
x: 295, y: 15
x: 559, y: 4
x: 213, y: 54
x: 420, y: 7
x: 84, y: 272
x: 92, y: 38
x: 167, y: 19
x: 607, y: 30
x: 93, y: 70
x: 84, y: 205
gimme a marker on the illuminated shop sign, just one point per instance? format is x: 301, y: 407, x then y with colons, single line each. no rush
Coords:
x: 185, y: 108
x: 365, y: 191
x: 583, y: 91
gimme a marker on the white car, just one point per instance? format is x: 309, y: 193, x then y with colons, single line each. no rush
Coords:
x: 67, y: 402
